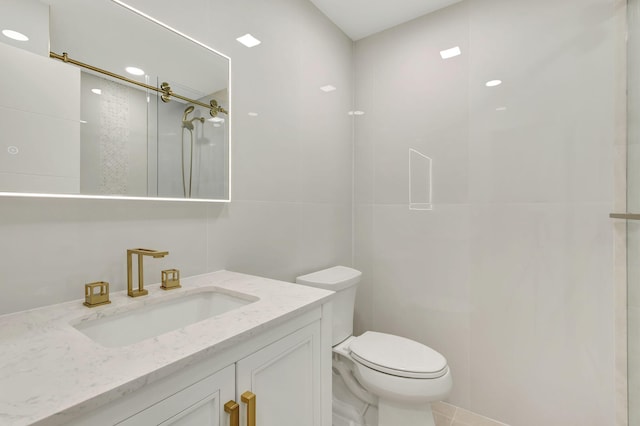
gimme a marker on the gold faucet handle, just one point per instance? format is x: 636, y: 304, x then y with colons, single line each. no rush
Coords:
x: 170, y: 279
x: 96, y: 294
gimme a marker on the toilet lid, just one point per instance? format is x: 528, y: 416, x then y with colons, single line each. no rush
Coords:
x: 397, y: 356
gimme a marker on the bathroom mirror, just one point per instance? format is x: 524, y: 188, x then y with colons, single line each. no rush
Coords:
x: 72, y: 130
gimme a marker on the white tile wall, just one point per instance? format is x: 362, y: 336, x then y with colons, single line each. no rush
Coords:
x: 28, y: 87
x: 40, y: 150
x: 34, y: 114
x: 510, y: 276
x: 291, y: 190
x: 54, y: 246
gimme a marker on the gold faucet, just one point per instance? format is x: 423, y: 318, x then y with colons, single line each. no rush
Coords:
x: 140, y: 252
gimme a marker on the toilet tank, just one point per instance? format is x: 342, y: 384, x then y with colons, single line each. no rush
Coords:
x: 343, y: 281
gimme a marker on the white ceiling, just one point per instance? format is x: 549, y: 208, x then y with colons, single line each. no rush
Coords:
x: 361, y: 18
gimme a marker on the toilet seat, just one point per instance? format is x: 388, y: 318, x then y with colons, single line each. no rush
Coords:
x: 397, y: 356
x: 394, y: 384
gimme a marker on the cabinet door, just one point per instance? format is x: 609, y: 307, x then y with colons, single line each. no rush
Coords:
x: 200, y: 404
x: 285, y: 377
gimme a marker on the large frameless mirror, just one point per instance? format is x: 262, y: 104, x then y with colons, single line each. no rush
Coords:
x: 98, y: 100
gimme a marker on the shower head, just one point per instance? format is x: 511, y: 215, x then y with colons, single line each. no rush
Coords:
x: 187, y: 111
x: 186, y: 123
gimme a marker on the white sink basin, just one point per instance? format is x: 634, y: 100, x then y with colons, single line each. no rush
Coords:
x: 155, y: 319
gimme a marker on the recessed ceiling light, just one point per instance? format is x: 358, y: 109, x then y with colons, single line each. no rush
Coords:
x: 134, y: 70
x: 96, y: 91
x: 249, y: 40
x: 15, y: 35
x: 328, y: 88
x: 502, y: 108
x: 253, y: 114
x: 450, y: 53
x: 358, y: 112
x: 493, y: 83
x: 83, y: 121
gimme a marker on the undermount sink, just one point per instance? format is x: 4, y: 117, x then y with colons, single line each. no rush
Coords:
x: 152, y: 320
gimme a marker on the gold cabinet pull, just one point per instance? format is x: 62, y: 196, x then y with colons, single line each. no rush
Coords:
x: 249, y: 398
x: 233, y: 409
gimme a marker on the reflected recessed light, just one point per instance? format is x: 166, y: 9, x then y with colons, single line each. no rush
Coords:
x: 493, y: 83
x: 358, y: 112
x: 249, y: 40
x: 217, y: 119
x: 134, y: 70
x: 328, y: 88
x: 450, y: 53
x: 96, y: 91
x: 217, y: 124
x: 83, y: 121
x: 15, y: 35
x: 13, y: 150
x: 253, y: 114
x: 502, y: 108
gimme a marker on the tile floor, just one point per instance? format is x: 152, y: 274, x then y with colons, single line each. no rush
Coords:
x: 450, y: 415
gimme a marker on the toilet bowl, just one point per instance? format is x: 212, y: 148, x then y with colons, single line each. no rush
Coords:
x: 399, y: 376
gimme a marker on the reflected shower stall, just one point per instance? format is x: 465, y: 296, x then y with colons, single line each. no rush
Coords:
x: 191, y: 151
x: 137, y: 144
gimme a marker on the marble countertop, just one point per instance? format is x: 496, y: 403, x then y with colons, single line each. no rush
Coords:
x: 48, y: 367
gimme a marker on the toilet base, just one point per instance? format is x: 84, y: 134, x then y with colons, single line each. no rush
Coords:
x: 392, y: 413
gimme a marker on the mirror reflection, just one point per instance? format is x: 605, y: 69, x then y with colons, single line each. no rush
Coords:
x: 99, y: 100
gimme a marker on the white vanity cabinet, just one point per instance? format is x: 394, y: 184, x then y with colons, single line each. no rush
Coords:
x: 277, y: 346
x: 285, y: 377
x: 200, y: 404
x: 284, y: 372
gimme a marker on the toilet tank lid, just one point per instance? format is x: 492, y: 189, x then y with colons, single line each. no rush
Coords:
x: 334, y: 279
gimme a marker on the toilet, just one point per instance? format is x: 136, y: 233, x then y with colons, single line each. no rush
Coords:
x: 399, y: 376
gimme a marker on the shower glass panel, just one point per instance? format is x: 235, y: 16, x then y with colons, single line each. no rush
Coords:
x: 633, y: 206
x: 633, y: 320
x: 192, y: 155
